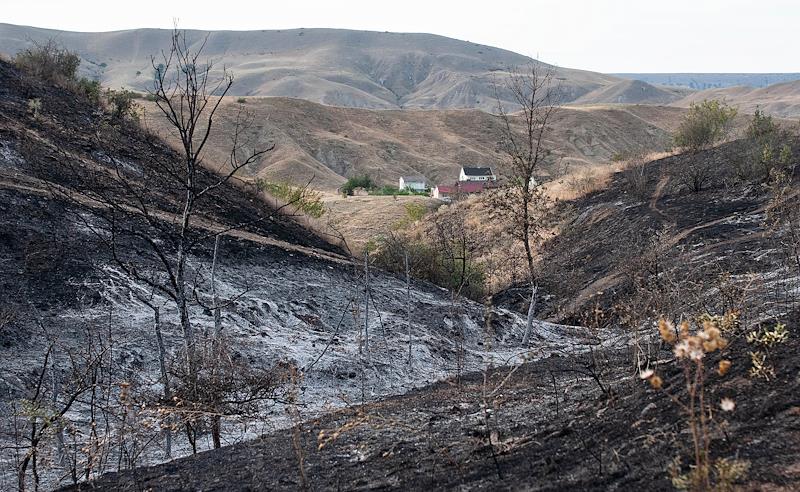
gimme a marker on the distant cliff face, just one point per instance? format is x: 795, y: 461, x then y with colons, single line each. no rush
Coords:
x: 335, y: 67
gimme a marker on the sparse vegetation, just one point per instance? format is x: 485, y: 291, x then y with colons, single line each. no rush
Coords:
x: 692, y: 349
x: 34, y: 107
x: 301, y: 197
x: 52, y: 63
x: 635, y: 174
x: 90, y: 89
x: 770, y: 150
x: 445, y: 255
x: 763, y: 340
x: 524, y: 201
x: 122, y: 104
x: 706, y: 124
x: 585, y: 182
x: 49, y: 62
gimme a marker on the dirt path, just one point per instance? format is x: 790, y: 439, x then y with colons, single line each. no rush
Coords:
x: 594, y: 288
x: 662, y: 183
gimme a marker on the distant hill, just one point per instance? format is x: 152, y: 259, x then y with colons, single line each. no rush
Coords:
x: 781, y: 100
x: 701, y: 81
x: 332, y: 144
x: 632, y: 92
x: 378, y: 70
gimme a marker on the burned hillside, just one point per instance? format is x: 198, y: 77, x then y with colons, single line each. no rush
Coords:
x: 168, y: 326
x: 89, y: 202
x: 607, y: 418
x: 686, y: 233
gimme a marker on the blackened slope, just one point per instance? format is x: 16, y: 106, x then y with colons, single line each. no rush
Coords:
x: 570, y: 439
x: 71, y: 142
x: 617, y: 242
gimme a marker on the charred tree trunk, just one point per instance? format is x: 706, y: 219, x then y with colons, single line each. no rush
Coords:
x: 531, y: 311
x: 408, y: 304
x: 162, y: 361
x: 366, y: 303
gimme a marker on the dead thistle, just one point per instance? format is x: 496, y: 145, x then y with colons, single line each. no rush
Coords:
x: 692, y: 348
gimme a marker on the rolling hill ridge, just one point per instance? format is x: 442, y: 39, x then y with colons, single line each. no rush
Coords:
x: 378, y: 70
x: 331, y: 144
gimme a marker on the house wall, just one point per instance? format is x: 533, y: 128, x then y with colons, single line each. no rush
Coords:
x: 476, y: 178
x: 464, y: 177
x: 412, y: 185
x: 439, y: 196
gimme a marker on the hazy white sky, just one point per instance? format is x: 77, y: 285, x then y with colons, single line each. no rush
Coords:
x: 599, y: 35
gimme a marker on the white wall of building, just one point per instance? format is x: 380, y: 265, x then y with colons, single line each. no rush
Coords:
x: 412, y: 185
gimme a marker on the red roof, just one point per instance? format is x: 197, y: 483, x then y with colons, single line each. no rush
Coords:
x: 465, y: 187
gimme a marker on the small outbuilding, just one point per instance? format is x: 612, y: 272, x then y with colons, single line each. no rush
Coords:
x: 413, y: 183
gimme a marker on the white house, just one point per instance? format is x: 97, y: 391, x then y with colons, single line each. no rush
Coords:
x: 477, y: 174
x: 413, y: 183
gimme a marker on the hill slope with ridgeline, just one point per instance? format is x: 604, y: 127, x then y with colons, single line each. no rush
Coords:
x: 330, y: 144
x: 378, y: 70
x: 632, y: 92
x: 384, y: 70
x: 703, y: 81
x: 781, y: 99
x: 624, y: 256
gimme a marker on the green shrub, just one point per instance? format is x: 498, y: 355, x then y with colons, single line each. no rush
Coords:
x: 351, y: 184
x: 306, y: 200
x: 241, y: 100
x: 34, y: 107
x: 706, y: 124
x: 388, y: 190
x: 416, y: 211
x: 121, y: 103
x: 88, y: 88
x: 761, y: 126
x: 49, y: 62
x: 769, y: 150
x: 428, y: 261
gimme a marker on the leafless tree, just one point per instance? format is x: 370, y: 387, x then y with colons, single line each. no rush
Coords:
x: 152, y: 215
x: 189, y: 96
x: 56, y: 389
x: 524, y: 142
x: 456, y: 245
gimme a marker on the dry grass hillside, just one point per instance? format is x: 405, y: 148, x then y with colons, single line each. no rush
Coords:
x: 330, y: 144
x: 633, y: 92
x: 781, y: 100
x: 330, y: 66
